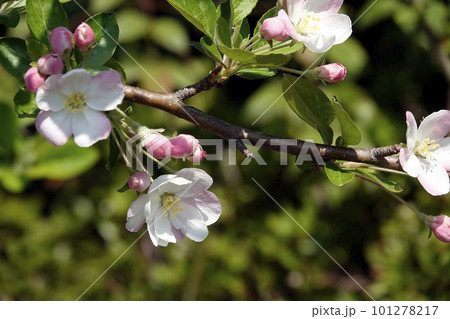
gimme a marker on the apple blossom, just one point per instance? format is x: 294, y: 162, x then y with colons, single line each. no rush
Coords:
x: 33, y: 79
x: 72, y: 104
x: 198, y: 155
x: 333, y: 72
x: 316, y: 23
x: 84, y: 36
x: 50, y: 64
x: 440, y: 226
x: 273, y: 28
x: 183, y: 145
x: 139, y: 181
x: 158, y: 145
x: 176, y: 206
x: 427, y: 155
x: 61, y: 40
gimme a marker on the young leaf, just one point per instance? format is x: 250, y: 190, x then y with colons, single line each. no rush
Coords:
x: 24, y: 104
x: 237, y: 54
x: 256, y: 73
x: 43, y: 16
x: 351, y: 135
x: 14, y: 56
x: 10, y: 18
x: 310, y: 104
x: 267, y: 60
x: 380, y: 180
x: 337, y: 176
x: 201, y: 13
x: 106, y: 33
x: 210, y: 49
x: 242, y: 8
x: 222, y: 33
x: 226, y: 11
x: 36, y: 49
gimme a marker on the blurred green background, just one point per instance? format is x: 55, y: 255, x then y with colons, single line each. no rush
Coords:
x: 62, y: 222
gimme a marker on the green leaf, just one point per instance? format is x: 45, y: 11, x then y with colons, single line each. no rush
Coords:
x: 337, y: 176
x: 225, y: 10
x: 380, y: 180
x: 43, y: 16
x: 256, y: 73
x: 14, y: 56
x: 24, y: 104
x: 201, y: 13
x: 237, y: 54
x: 36, y: 49
x: 10, y: 18
x: 7, y: 129
x: 287, y: 50
x: 245, y: 30
x: 267, y: 60
x: 124, y: 188
x: 351, y: 135
x: 310, y: 104
x: 113, y: 152
x: 222, y: 33
x: 242, y: 8
x: 210, y: 49
x: 106, y: 33
x: 62, y: 162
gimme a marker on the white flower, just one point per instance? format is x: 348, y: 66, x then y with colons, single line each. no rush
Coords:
x: 176, y: 206
x: 71, y: 104
x: 316, y: 23
x: 427, y: 155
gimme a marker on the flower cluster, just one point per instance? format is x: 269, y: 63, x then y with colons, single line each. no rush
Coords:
x: 315, y: 23
x: 176, y: 206
x: 427, y: 155
x: 72, y: 103
x: 181, y: 146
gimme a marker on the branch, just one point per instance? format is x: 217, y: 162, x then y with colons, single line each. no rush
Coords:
x: 171, y: 103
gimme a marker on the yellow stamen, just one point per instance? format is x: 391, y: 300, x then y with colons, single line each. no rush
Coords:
x: 308, y: 24
x: 75, y: 102
x: 172, y: 204
x: 425, y: 148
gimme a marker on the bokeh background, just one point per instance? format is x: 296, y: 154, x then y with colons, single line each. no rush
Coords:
x: 62, y: 222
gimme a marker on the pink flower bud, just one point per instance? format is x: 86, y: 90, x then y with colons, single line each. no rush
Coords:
x: 50, y: 64
x: 441, y: 228
x: 34, y: 80
x: 158, y: 145
x: 183, y: 145
x: 198, y: 155
x: 273, y: 29
x: 84, y: 36
x: 139, y: 181
x: 333, y: 72
x: 61, y: 40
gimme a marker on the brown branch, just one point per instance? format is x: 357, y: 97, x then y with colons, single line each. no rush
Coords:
x: 203, y: 85
x: 173, y: 104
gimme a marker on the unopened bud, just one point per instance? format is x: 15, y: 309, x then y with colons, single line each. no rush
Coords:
x: 33, y: 79
x: 333, y: 72
x: 139, y: 181
x: 273, y: 29
x: 61, y: 40
x: 84, y: 36
x: 198, y: 155
x: 158, y: 145
x: 183, y: 145
x: 50, y: 64
x: 440, y: 226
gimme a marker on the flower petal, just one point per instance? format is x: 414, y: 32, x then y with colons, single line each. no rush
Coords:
x: 89, y: 127
x: 443, y: 153
x: 288, y: 26
x: 76, y: 80
x: 163, y: 227
x: 435, y: 126
x: 136, y: 214
x: 323, y: 6
x: 49, y: 96
x: 434, y: 178
x: 105, y: 91
x: 190, y: 222
x: 55, y: 127
x: 177, y: 185
x: 208, y: 204
x: 296, y: 10
x: 338, y: 26
x: 160, y: 180
x: 200, y: 180
x: 410, y: 162
x: 411, y: 131
x: 319, y: 42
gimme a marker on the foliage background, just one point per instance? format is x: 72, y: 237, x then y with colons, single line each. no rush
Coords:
x: 58, y: 232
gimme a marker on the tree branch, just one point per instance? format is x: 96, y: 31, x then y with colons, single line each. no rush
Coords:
x: 173, y: 104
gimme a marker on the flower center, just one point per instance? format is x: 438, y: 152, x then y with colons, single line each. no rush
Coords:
x: 171, y: 204
x: 308, y: 24
x: 75, y: 102
x: 425, y: 148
